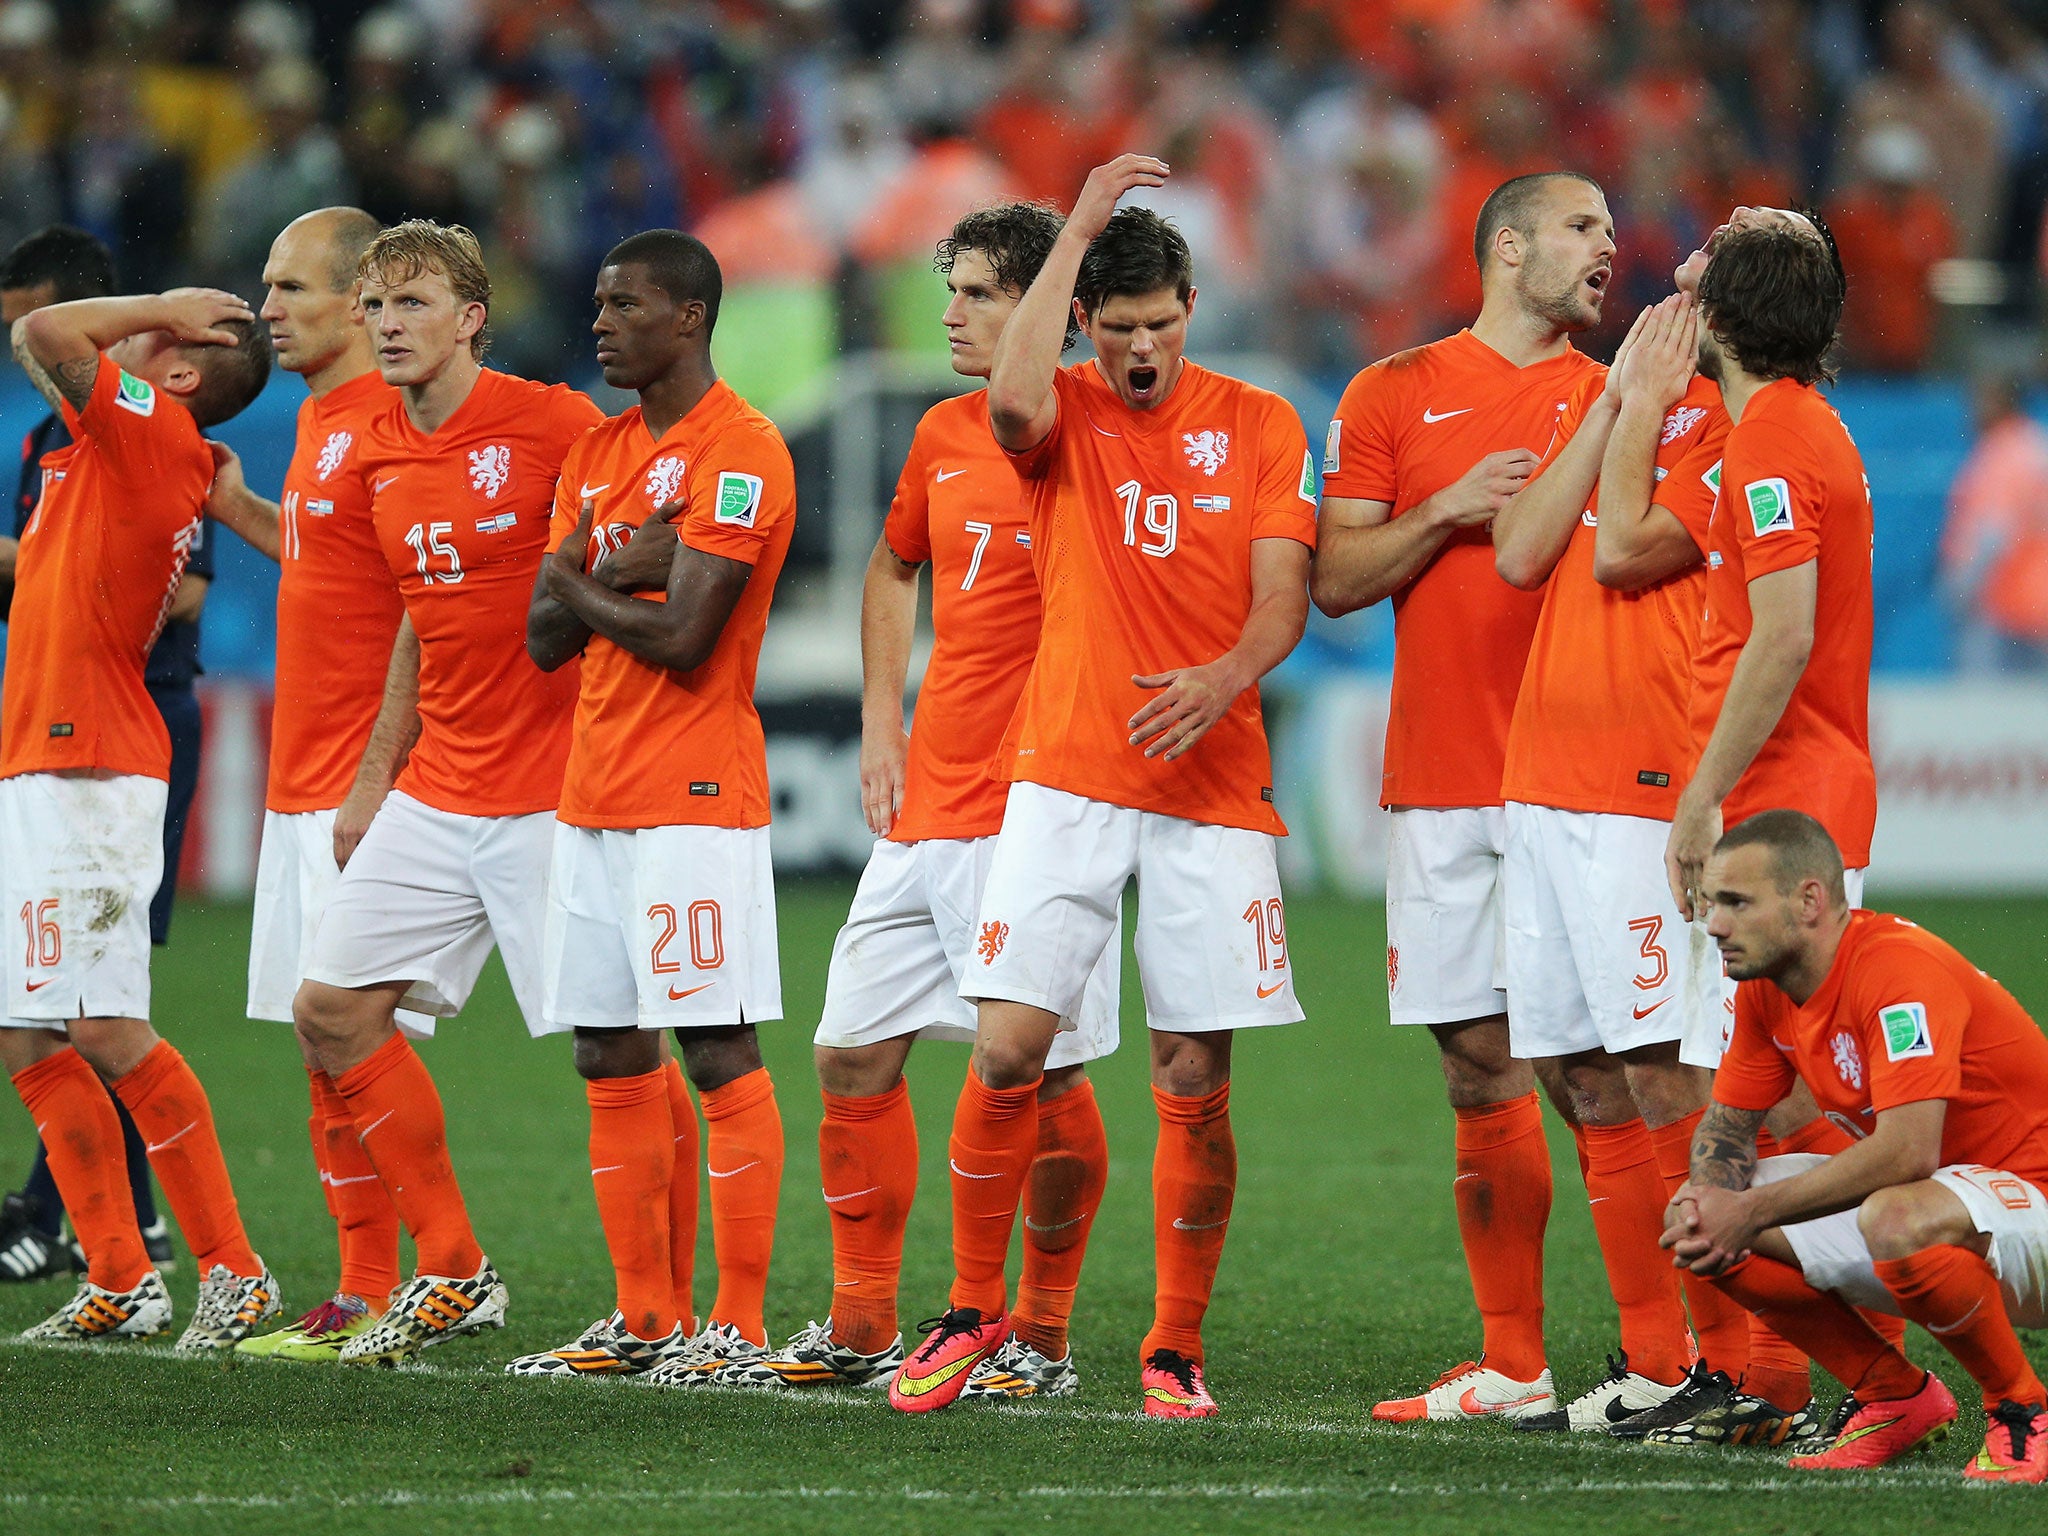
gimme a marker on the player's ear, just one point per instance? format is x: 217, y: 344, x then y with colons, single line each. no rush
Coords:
x: 1192, y: 292
x: 1081, y: 319
x: 474, y: 318
x: 180, y: 375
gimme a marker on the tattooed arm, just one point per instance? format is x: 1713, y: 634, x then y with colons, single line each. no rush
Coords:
x: 59, y: 346
x: 1724, y: 1147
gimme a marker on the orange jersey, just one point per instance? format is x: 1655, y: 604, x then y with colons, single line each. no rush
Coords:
x: 1601, y: 722
x: 99, y: 564
x: 337, y: 604
x: 960, y: 506
x: 462, y: 513
x: 653, y: 747
x: 1142, y: 525
x: 1900, y: 1019
x: 1407, y: 427
x: 1793, y: 490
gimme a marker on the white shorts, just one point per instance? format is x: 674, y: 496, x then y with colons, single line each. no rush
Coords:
x: 660, y: 928
x: 1445, y: 931
x: 425, y: 895
x: 295, y: 879
x: 898, y: 963
x: 81, y: 856
x: 2006, y: 1208
x: 1597, y: 953
x: 1708, y: 1030
x: 1212, y: 934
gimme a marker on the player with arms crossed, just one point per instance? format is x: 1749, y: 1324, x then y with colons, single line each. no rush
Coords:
x: 462, y: 469
x: 338, y: 611
x: 1937, y: 1212
x: 1427, y: 446
x: 83, y: 775
x: 908, y: 943
x: 661, y: 904
x: 1171, y: 519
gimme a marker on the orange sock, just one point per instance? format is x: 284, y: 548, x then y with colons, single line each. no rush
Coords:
x: 1194, y: 1180
x: 743, y: 1144
x: 995, y: 1137
x: 1579, y: 1146
x: 82, y: 1136
x: 1778, y: 1370
x: 1823, y: 1325
x: 1061, y: 1195
x: 867, y: 1167
x: 1503, y: 1194
x: 1721, y: 1326
x: 632, y: 1162
x: 170, y: 1109
x: 365, y: 1220
x: 399, y: 1125
x: 1627, y: 1200
x: 682, y: 1194
x: 1953, y: 1294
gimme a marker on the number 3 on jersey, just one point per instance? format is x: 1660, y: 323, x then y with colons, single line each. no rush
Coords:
x: 429, y: 542
x: 1162, y: 520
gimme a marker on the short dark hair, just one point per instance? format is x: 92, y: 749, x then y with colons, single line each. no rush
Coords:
x: 349, y: 234
x: 78, y: 265
x: 229, y: 377
x: 1772, y: 296
x: 1801, y: 850
x: 1138, y: 252
x: 681, y: 265
x: 1014, y: 238
x: 1512, y: 205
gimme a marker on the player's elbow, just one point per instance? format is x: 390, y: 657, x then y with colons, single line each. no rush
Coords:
x: 1518, y: 568
x: 1617, y: 572
x: 1332, y: 596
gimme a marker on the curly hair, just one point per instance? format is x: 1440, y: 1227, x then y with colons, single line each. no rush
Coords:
x: 1013, y: 238
x: 1139, y: 252
x: 1772, y: 296
x: 406, y: 251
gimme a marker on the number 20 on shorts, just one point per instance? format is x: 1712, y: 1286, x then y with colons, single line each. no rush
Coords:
x: 704, y: 926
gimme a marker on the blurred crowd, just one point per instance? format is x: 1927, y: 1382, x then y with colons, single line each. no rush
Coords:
x: 1329, y: 155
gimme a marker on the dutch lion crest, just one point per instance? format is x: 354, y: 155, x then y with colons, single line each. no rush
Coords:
x: 1206, y: 450
x: 1680, y: 422
x: 1848, y: 1060
x: 664, y: 480
x: 489, y: 469
x: 333, y: 452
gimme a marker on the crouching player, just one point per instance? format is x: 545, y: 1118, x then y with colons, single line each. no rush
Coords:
x: 898, y: 963
x: 661, y: 905
x: 1939, y: 1209
x: 1172, y: 516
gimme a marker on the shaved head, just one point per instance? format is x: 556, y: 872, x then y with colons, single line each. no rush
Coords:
x: 346, y: 232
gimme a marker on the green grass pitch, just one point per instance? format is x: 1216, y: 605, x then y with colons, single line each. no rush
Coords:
x: 1342, y: 1280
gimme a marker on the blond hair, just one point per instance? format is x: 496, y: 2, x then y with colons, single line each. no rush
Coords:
x: 418, y: 246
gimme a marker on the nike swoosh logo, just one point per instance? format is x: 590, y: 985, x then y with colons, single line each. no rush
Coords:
x: 1434, y: 417
x: 1269, y: 991
x: 592, y: 490
x: 1105, y: 431
x: 158, y: 1146
x: 1058, y: 1225
x: 1952, y: 1327
x: 917, y: 1386
x: 383, y: 485
x: 966, y: 1175
x: 1199, y: 1226
x: 676, y: 997
x: 1599, y: 1199
x: 37, y: 986
x: 838, y: 1199
x: 1850, y: 1436
x: 1461, y: 1178
x: 1471, y: 1402
x: 726, y: 1173
x: 359, y: 1178
x: 614, y: 1168
x: 1644, y: 1013
x: 948, y: 474
x: 364, y: 1134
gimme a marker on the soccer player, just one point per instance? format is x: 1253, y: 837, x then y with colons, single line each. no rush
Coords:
x: 1427, y: 446
x: 932, y: 801
x: 53, y: 266
x: 661, y: 903
x: 337, y: 615
x: 462, y: 469
x: 1781, y: 687
x: 83, y: 762
x: 1938, y: 1211
x: 1171, y: 520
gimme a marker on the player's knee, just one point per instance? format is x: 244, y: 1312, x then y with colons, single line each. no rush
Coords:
x: 1901, y: 1221
x: 113, y: 1047
x: 717, y: 1056
x: 1059, y: 1080
x: 857, y: 1071
x: 1190, y: 1066
x: 324, y: 1017
x: 1006, y: 1060
x: 606, y: 1053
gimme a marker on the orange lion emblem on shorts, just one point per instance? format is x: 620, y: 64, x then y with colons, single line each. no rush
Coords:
x: 990, y: 944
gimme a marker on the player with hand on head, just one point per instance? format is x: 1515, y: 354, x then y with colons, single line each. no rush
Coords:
x: 84, y: 756
x: 461, y: 468
x: 1938, y: 1211
x: 661, y: 900
x: 1426, y: 449
x: 1171, y: 520
x: 931, y: 799
x: 338, y: 611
